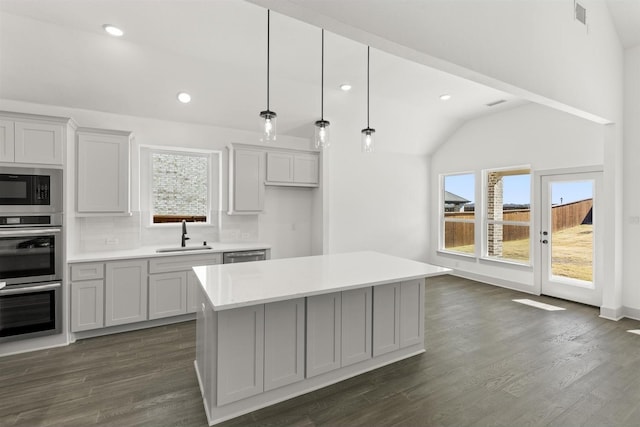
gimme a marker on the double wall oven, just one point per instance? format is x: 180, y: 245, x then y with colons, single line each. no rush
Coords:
x: 31, y: 261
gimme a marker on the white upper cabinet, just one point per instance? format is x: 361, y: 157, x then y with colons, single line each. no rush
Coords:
x: 279, y: 167
x: 292, y: 169
x: 246, y: 181
x: 103, y: 171
x: 305, y: 169
x: 7, y: 145
x: 32, y: 139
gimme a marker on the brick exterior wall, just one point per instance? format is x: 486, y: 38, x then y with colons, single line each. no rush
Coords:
x: 494, y: 211
x: 179, y: 184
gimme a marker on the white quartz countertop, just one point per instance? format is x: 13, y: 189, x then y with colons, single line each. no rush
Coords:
x: 150, y: 252
x: 239, y: 285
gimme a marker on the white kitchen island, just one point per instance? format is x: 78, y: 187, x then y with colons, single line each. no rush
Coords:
x: 268, y: 331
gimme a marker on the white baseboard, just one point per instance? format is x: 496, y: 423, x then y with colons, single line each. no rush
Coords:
x: 494, y: 281
x: 131, y: 327
x: 631, y: 313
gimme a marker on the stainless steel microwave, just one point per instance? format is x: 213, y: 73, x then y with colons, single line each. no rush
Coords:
x: 30, y: 190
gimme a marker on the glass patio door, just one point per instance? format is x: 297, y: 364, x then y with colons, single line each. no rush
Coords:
x: 569, y: 237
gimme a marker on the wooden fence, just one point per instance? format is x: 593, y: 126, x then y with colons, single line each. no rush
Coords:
x: 563, y: 216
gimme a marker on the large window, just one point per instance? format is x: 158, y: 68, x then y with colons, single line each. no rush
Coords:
x: 458, y: 213
x: 179, y: 184
x: 508, y: 215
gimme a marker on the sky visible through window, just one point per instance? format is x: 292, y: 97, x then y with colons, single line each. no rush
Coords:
x: 517, y: 189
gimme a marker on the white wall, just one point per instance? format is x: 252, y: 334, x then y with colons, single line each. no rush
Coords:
x: 89, y: 234
x: 374, y: 201
x: 529, y: 135
x: 631, y: 290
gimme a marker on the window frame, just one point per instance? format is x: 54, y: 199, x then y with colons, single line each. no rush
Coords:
x: 214, y: 189
x: 443, y: 219
x: 486, y: 221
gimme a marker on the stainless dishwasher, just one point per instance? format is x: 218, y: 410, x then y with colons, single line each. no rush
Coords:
x: 244, y: 256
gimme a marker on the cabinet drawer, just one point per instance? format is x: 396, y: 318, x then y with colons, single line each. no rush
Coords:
x: 88, y: 271
x: 182, y: 262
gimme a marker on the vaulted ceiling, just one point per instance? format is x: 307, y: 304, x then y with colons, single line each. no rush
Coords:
x: 56, y: 52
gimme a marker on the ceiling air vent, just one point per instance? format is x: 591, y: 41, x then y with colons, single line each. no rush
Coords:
x: 494, y: 103
x: 581, y: 13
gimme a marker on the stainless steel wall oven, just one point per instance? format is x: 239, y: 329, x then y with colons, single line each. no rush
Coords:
x: 31, y: 262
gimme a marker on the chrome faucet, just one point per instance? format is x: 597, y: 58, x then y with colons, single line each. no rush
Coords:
x: 184, y: 234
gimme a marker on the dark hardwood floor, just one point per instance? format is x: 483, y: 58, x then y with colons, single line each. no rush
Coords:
x: 489, y: 362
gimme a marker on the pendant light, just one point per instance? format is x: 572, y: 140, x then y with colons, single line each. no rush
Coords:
x: 322, y: 126
x: 268, y: 122
x: 368, y: 133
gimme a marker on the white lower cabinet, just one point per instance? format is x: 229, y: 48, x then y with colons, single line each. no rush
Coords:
x: 386, y: 318
x: 283, y: 343
x: 167, y: 294
x: 398, y: 310
x: 240, y: 353
x: 411, y: 313
x: 324, y: 342
x: 87, y: 303
x: 125, y: 292
x: 192, y: 292
x: 356, y: 326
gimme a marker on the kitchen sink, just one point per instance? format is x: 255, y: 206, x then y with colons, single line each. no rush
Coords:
x: 183, y: 249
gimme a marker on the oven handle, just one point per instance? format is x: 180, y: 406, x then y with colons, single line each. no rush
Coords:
x: 29, y: 289
x: 18, y: 232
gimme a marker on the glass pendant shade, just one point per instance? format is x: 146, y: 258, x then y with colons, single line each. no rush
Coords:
x: 368, y: 141
x: 321, y: 136
x: 268, y: 126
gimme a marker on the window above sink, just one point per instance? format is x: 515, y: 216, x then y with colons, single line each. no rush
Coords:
x: 179, y: 184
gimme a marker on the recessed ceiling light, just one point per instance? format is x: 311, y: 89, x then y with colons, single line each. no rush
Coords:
x: 113, y: 30
x: 445, y: 97
x: 184, y: 97
x: 346, y: 87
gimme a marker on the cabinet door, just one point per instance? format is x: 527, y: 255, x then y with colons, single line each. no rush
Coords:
x: 248, y: 181
x: 7, y: 141
x: 240, y: 353
x: 283, y: 343
x: 125, y: 292
x: 356, y: 326
x: 386, y: 318
x: 87, y: 305
x: 38, y: 143
x: 305, y: 169
x: 192, y: 292
x: 103, y: 173
x: 412, y: 312
x: 167, y: 294
x: 279, y: 167
x: 323, y: 333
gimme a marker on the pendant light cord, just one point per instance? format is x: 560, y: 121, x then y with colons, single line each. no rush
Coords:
x: 322, y: 81
x: 368, y: 54
x: 268, y: 43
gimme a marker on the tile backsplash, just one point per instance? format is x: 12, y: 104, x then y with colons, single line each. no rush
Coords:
x: 98, y: 234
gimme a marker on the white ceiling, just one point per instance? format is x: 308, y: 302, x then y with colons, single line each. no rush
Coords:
x: 55, y: 52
